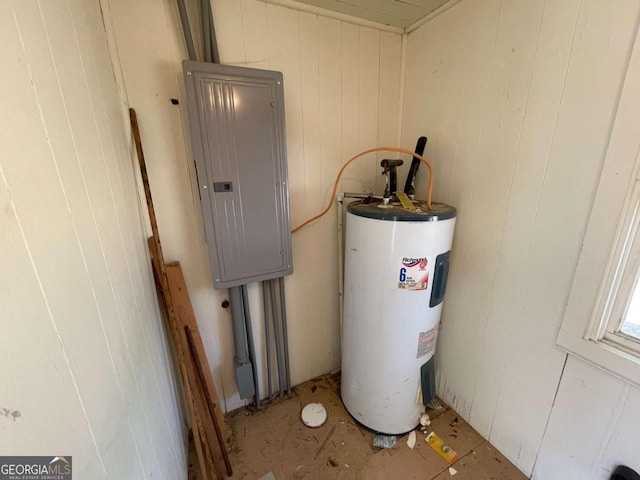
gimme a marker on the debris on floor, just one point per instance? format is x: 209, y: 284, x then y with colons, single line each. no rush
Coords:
x: 384, y: 441
x: 268, y: 476
x: 274, y: 439
x: 452, y: 471
x: 329, y: 435
x: 314, y: 415
x: 411, y: 440
x: 445, y: 451
x: 425, y: 421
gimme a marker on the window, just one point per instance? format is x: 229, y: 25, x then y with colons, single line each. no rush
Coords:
x: 601, y: 323
x: 618, y: 321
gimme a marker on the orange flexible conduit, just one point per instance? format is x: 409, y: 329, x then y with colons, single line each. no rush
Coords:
x: 361, y: 154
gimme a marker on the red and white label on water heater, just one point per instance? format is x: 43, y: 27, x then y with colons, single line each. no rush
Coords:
x: 413, y: 273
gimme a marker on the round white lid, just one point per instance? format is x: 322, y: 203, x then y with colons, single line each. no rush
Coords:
x: 314, y: 415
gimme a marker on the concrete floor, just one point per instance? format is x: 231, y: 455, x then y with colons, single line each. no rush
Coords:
x: 273, y: 439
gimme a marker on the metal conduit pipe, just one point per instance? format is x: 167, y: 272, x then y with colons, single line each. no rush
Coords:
x: 267, y: 336
x: 214, y: 42
x: 186, y: 30
x: 278, y: 337
x: 206, y: 29
x: 252, y: 350
x: 244, y: 369
x: 285, y: 335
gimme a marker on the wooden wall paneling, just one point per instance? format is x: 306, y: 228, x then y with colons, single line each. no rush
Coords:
x: 134, y: 291
x: 453, y: 64
x: 314, y: 198
x: 46, y: 39
x: 368, y: 169
x: 423, y: 79
x: 512, y: 61
x: 389, y: 102
x: 331, y: 159
x: 255, y: 28
x: 27, y: 343
x: 150, y: 84
x: 587, y: 407
x: 541, y: 113
x: 475, y: 93
x: 620, y: 448
x: 350, y: 61
x: 255, y: 34
x: 587, y: 108
x: 228, y: 16
x: 92, y: 145
x: 65, y: 203
x: 157, y: 363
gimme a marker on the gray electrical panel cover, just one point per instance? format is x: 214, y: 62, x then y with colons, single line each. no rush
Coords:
x: 236, y: 117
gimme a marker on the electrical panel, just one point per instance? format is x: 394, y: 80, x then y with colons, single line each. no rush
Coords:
x: 237, y: 123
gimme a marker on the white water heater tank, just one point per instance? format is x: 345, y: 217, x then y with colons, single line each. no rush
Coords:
x: 396, y: 266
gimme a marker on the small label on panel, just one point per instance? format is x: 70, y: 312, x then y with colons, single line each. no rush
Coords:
x: 427, y: 342
x: 413, y: 273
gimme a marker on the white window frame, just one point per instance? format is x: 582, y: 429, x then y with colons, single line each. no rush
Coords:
x: 620, y: 282
x: 609, y: 263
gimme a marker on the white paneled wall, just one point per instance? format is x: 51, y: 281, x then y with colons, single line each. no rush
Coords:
x: 85, y: 368
x: 517, y: 98
x: 342, y: 95
x: 593, y: 426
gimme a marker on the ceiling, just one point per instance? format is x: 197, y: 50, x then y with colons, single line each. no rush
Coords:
x: 397, y: 13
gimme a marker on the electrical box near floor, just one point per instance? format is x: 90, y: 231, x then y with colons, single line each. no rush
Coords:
x: 237, y: 124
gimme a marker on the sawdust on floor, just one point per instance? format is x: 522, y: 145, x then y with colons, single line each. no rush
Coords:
x: 273, y: 439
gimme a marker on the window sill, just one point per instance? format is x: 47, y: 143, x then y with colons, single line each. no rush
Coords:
x: 603, y: 355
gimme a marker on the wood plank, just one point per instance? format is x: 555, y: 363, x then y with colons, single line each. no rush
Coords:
x: 204, y: 421
x: 184, y: 311
x: 206, y: 406
x: 196, y: 418
x: 193, y: 391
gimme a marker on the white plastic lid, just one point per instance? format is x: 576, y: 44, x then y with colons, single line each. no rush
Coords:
x: 314, y: 415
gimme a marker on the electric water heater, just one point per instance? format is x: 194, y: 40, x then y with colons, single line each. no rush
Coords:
x: 396, y: 266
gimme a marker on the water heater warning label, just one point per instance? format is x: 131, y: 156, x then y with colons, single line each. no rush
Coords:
x: 427, y: 342
x: 413, y: 273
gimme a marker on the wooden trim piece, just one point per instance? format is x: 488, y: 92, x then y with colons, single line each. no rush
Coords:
x: 182, y: 304
x: 203, y: 420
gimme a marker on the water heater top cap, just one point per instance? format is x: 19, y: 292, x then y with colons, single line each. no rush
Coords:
x: 395, y: 212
